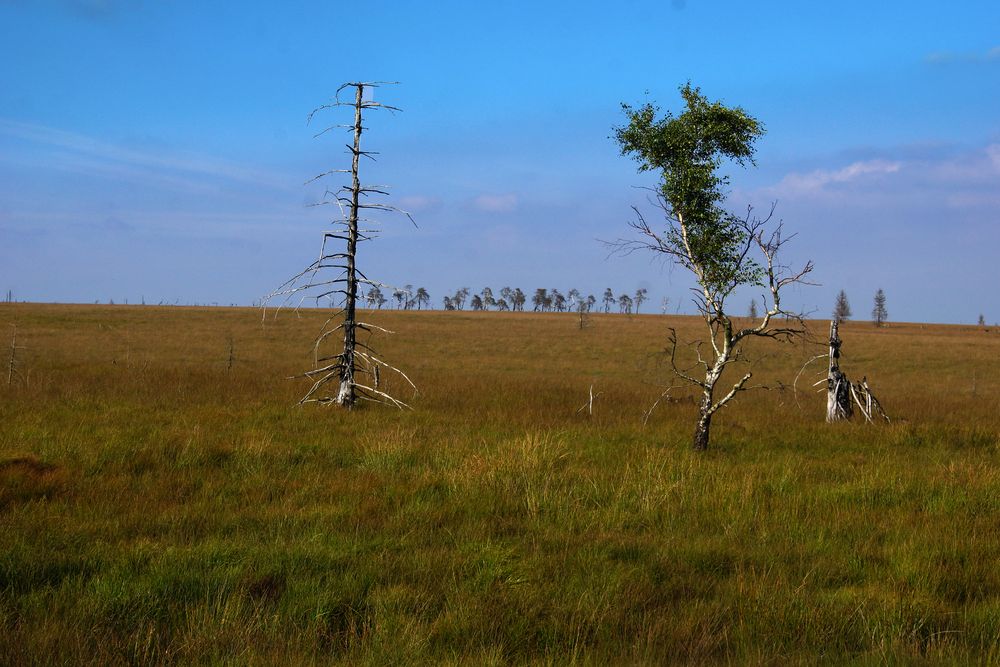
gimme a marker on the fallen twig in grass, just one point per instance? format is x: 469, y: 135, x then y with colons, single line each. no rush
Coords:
x: 646, y: 415
x: 589, y: 405
x: 12, y: 364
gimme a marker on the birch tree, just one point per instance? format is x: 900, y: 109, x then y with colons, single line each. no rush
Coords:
x: 640, y: 296
x: 609, y: 299
x: 722, y: 251
x: 423, y: 298
x: 518, y: 299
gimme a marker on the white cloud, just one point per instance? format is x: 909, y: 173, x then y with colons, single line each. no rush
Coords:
x: 419, y: 203
x: 954, y: 179
x: 946, y: 57
x: 496, y: 203
x: 820, y: 178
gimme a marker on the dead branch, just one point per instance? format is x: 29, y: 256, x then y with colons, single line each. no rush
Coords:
x: 648, y: 413
x: 797, y: 375
x: 589, y: 405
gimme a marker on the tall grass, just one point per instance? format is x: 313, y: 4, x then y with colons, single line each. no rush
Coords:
x: 159, y: 507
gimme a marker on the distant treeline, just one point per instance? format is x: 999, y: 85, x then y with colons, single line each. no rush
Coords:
x: 511, y: 299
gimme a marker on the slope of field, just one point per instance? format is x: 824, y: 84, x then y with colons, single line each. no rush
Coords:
x: 162, y: 503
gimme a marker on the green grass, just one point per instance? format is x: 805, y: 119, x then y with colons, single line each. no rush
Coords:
x: 158, y: 507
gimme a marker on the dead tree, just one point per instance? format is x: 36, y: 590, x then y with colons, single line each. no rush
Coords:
x: 838, y: 387
x: 355, y: 369
x: 842, y: 394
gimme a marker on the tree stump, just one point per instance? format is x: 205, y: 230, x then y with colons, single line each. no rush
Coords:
x: 838, y: 387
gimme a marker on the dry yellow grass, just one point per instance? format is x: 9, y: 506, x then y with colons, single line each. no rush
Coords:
x: 158, y: 506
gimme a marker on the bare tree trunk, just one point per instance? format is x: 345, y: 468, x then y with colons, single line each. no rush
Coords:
x: 702, y: 431
x: 346, y: 396
x: 838, y: 387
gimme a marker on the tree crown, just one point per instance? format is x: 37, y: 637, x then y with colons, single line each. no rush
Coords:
x: 688, y: 150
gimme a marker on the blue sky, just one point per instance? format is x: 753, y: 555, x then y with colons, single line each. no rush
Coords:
x: 159, y: 149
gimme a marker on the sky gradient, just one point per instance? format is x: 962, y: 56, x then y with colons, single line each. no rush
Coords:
x: 158, y: 150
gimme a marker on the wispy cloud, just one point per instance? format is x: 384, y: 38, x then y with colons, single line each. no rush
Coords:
x: 492, y: 203
x: 78, y: 152
x: 956, y: 179
x: 947, y: 57
x: 419, y: 203
x: 993, y: 152
x: 819, y: 179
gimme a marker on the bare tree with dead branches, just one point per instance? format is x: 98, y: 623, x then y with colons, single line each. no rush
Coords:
x: 356, y: 370
x: 725, y: 338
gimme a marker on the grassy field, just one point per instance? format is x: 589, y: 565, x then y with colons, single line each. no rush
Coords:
x: 158, y: 506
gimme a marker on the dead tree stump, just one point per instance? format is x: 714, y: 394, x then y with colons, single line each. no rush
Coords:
x: 842, y: 394
x: 838, y: 387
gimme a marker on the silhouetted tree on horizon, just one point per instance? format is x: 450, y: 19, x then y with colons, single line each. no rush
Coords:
x: 841, y: 307
x: 879, y: 313
x: 640, y: 296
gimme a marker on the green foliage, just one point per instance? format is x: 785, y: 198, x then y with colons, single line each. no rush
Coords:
x: 688, y: 150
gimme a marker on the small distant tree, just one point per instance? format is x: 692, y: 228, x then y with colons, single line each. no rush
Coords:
x: 502, y: 305
x: 752, y: 311
x: 583, y: 309
x: 459, y: 299
x: 665, y: 304
x: 400, y: 296
x: 489, y: 301
x: 558, y: 301
x: 640, y: 296
x: 518, y: 299
x: 477, y: 302
x: 374, y: 298
x: 879, y: 313
x: 982, y: 320
x: 591, y: 300
x: 448, y: 303
x: 423, y: 298
x: 609, y: 300
x: 572, y: 298
x: 721, y: 250
x: 539, y: 298
x: 625, y: 304
x: 841, y: 308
